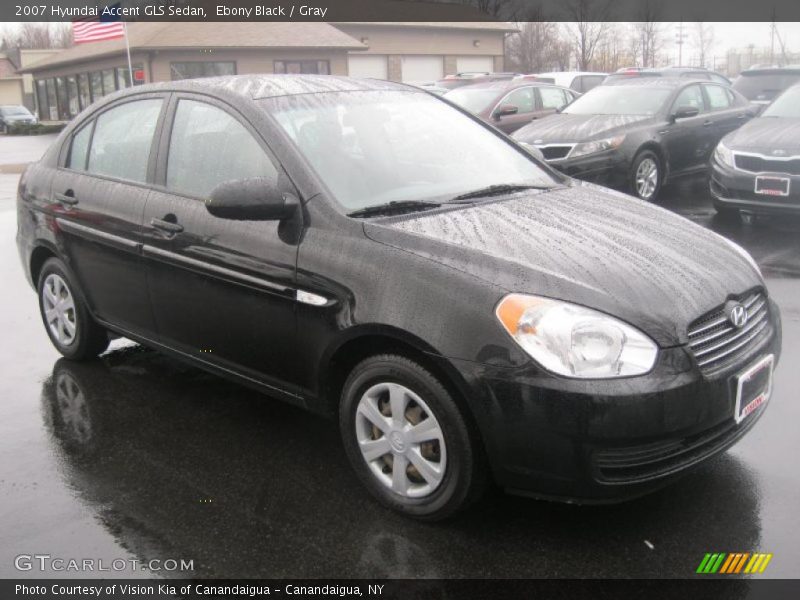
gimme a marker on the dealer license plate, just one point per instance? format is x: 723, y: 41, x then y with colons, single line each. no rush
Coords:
x: 753, y: 387
x: 772, y: 186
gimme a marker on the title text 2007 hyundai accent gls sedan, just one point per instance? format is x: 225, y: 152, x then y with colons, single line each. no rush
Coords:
x: 365, y: 249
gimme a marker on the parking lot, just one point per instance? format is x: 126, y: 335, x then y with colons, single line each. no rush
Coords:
x: 139, y: 456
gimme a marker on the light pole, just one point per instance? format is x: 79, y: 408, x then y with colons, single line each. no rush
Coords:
x: 680, y: 38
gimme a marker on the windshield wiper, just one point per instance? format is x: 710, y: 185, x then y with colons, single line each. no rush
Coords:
x: 497, y: 190
x: 394, y: 207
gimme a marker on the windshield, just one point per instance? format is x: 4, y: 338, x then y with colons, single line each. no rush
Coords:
x: 473, y: 99
x: 620, y: 100
x: 14, y: 111
x: 764, y: 87
x: 787, y: 105
x: 375, y: 147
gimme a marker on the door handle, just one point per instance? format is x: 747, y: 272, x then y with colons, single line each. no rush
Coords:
x: 708, y: 123
x: 68, y: 198
x: 168, y: 226
x: 742, y: 116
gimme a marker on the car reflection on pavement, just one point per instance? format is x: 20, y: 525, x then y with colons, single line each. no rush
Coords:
x: 176, y: 462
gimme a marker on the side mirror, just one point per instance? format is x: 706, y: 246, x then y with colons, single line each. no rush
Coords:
x: 254, y: 199
x: 685, y: 112
x: 504, y: 110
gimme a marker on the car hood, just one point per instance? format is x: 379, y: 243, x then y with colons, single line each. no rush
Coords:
x: 575, y: 128
x: 587, y: 245
x: 765, y: 135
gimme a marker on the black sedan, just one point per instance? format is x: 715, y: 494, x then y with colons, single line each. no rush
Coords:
x: 637, y: 134
x: 365, y: 250
x: 14, y: 114
x: 756, y: 169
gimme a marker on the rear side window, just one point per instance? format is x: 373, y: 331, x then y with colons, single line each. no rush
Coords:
x: 122, y: 139
x: 80, y: 148
x: 690, y: 96
x: 552, y: 97
x: 208, y: 146
x: 718, y: 97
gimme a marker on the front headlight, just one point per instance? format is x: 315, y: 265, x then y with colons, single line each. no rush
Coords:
x: 723, y: 155
x: 597, y: 146
x: 574, y: 341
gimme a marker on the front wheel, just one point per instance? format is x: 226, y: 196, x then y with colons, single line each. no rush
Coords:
x: 66, y: 319
x: 646, y: 175
x: 408, y: 440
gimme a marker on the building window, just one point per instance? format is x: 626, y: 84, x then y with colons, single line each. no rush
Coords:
x: 309, y: 67
x: 196, y: 69
x: 123, y: 78
x: 41, y: 100
x: 96, y: 83
x: 52, y: 106
x: 62, y: 99
x: 72, y: 96
x: 84, y: 92
x: 109, y: 81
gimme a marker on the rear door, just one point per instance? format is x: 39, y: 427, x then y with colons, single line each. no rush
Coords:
x: 552, y: 98
x: 98, y: 198
x: 222, y: 290
x: 725, y: 113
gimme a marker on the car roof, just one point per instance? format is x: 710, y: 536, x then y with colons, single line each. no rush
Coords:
x: 254, y: 87
x: 654, y: 82
x: 771, y: 71
x: 507, y: 84
x: 573, y: 73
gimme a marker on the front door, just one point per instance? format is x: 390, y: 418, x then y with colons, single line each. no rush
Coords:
x: 98, y: 197
x: 222, y: 290
x: 686, y: 139
x: 524, y: 100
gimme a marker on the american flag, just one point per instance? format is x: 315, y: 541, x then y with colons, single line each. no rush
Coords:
x: 97, y: 29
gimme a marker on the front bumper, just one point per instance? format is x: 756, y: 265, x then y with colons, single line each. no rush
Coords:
x: 609, y: 440
x: 734, y: 188
x: 609, y: 168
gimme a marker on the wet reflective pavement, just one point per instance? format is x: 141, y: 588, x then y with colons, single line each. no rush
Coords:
x: 138, y: 456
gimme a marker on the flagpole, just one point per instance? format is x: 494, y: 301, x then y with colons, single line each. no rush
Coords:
x: 128, y: 50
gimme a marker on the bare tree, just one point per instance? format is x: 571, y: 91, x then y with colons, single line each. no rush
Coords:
x: 537, y: 47
x: 505, y: 9
x: 588, y: 28
x: 703, y: 41
x: 648, y: 32
x: 39, y: 36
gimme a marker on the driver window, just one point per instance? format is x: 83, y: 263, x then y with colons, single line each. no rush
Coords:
x: 690, y: 96
x: 209, y: 146
x: 521, y: 98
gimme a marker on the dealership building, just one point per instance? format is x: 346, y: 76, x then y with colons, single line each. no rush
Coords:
x: 69, y: 80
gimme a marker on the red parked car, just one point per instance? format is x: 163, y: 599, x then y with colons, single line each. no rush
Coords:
x: 510, y: 105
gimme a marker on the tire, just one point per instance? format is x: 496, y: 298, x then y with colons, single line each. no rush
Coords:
x: 66, y: 319
x: 452, y: 459
x: 640, y: 179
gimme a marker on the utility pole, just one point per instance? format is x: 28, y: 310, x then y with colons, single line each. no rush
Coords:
x: 680, y: 39
x: 772, y: 40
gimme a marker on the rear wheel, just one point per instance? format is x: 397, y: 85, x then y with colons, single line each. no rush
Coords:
x: 66, y: 319
x: 646, y: 175
x: 408, y: 440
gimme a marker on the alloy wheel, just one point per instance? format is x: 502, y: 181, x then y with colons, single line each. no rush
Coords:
x: 646, y: 178
x: 401, y: 440
x: 59, y: 309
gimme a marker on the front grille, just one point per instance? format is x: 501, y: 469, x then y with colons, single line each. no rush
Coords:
x: 716, y: 343
x: 652, y: 461
x: 555, y: 152
x: 757, y: 164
